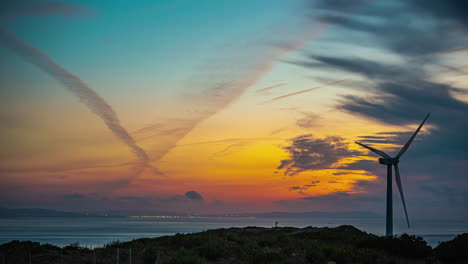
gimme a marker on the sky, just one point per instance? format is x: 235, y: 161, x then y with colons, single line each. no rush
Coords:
x: 217, y: 106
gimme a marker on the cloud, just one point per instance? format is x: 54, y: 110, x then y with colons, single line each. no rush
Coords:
x: 269, y: 88
x: 444, y: 149
x: 309, y: 153
x: 303, y: 187
x: 296, y: 188
x: 371, y: 166
x: 390, y: 25
x: 453, y: 196
x: 231, y: 148
x: 392, y: 138
x: 406, y: 104
x: 454, y: 10
x: 230, y: 74
x: 338, y: 201
x: 336, y: 5
x: 190, y: 202
x: 440, y: 208
x: 308, y: 90
x: 11, y: 9
x: 365, y: 67
x: 309, y: 120
x: 394, y: 33
x: 333, y: 196
x: 219, y: 88
x: 402, y: 94
x: 85, y: 94
x: 193, y: 195
x: 73, y: 196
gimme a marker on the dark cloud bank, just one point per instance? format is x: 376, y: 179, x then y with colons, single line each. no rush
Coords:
x: 435, y: 168
x: 402, y: 95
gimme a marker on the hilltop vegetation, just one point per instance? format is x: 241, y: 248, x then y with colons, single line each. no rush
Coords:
x: 344, y: 244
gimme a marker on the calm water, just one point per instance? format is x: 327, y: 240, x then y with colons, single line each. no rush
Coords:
x: 99, y: 231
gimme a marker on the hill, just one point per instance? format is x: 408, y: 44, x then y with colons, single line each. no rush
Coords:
x: 344, y: 244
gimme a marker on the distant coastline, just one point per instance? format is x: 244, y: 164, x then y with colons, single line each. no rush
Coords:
x: 40, y: 212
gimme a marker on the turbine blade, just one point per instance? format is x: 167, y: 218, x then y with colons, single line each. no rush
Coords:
x: 400, y: 188
x: 376, y: 151
x: 410, y: 140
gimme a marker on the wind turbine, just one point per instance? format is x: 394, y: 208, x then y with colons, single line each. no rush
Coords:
x: 389, y: 161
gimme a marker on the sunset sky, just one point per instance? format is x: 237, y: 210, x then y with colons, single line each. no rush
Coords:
x: 219, y: 106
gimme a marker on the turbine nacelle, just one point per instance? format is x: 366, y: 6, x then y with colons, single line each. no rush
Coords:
x: 389, y: 161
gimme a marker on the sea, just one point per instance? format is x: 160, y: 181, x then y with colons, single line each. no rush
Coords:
x: 95, y: 232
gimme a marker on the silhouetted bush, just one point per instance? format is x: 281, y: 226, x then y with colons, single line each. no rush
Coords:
x: 113, y: 244
x: 185, y: 256
x: 407, y: 246
x: 318, y: 252
x: 313, y: 252
x: 213, y: 249
x: 73, y: 246
x: 453, y: 251
x: 268, y: 256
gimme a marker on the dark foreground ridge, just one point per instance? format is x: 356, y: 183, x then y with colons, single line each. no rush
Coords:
x: 344, y: 244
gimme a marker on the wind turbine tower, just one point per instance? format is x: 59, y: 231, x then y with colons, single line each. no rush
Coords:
x: 389, y: 161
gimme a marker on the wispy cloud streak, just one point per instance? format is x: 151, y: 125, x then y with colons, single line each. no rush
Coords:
x: 396, y: 67
x: 310, y: 89
x: 271, y: 88
x: 87, y: 96
x: 223, y: 90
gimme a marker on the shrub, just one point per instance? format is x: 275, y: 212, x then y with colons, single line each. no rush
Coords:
x: 149, y: 255
x: 315, y: 255
x: 408, y: 246
x: 213, y: 249
x: 113, y: 244
x: 74, y: 246
x: 184, y: 256
x: 268, y: 239
x: 235, y: 237
x: 267, y: 256
x: 453, y: 251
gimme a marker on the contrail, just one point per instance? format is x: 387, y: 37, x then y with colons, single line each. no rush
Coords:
x: 310, y: 89
x: 215, y: 101
x: 212, y: 102
x: 271, y: 87
x: 87, y: 96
